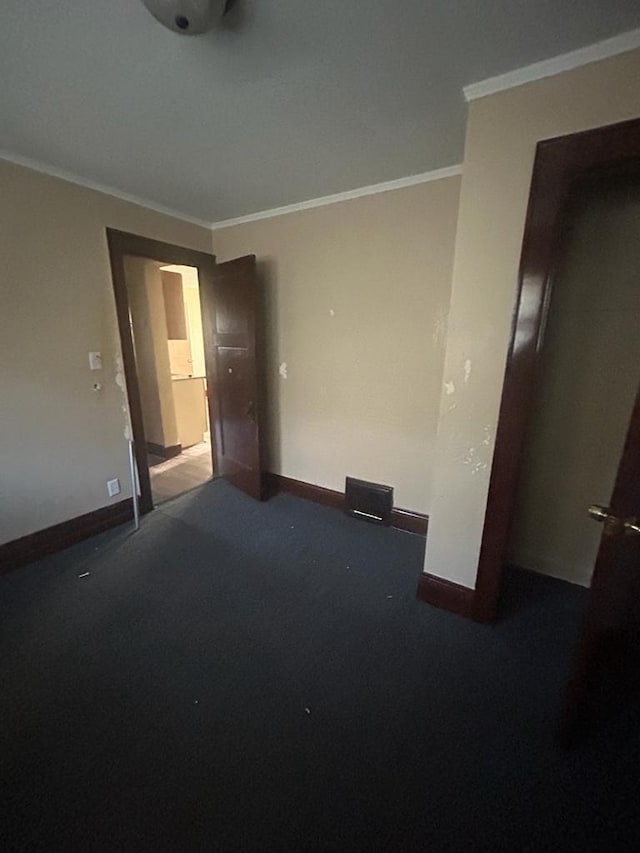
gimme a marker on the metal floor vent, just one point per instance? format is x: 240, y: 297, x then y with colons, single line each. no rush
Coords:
x: 369, y: 501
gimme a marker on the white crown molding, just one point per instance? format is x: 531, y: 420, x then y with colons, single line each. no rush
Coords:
x: 54, y: 172
x: 556, y: 65
x: 547, y: 68
x: 373, y: 189
x: 323, y: 201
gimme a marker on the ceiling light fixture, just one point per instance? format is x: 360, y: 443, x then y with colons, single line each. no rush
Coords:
x: 189, y: 17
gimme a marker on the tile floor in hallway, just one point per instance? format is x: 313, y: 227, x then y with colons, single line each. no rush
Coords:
x: 172, y: 477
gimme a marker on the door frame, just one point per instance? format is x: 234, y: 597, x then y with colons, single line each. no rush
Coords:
x: 560, y: 163
x: 122, y: 244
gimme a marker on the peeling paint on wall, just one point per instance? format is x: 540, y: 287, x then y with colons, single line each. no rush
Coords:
x: 332, y: 313
x: 449, y: 388
x: 127, y: 429
x: 119, y: 371
x: 282, y: 370
x: 487, y: 436
x: 479, y: 466
x: 440, y: 327
x: 121, y: 383
x: 467, y: 370
x: 476, y: 464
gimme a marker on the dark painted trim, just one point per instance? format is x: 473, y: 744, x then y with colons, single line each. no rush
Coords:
x: 276, y: 483
x: 561, y: 167
x: 156, y: 250
x: 165, y: 452
x: 413, y: 522
x: 32, y: 547
x: 403, y: 519
x: 120, y: 245
x: 445, y: 594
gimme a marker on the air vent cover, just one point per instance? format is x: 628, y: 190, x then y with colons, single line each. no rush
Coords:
x: 368, y: 501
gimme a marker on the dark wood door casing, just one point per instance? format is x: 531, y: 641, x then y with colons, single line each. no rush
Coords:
x: 559, y: 164
x: 122, y: 244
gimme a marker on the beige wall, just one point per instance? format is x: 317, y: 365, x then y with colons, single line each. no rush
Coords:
x: 357, y: 294
x: 357, y: 301
x: 502, y: 133
x: 61, y: 441
x: 153, y: 363
x: 590, y: 376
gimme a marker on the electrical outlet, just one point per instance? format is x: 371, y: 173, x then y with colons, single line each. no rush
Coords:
x: 113, y: 487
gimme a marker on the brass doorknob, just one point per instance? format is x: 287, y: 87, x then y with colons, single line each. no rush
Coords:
x: 612, y: 523
x: 600, y: 513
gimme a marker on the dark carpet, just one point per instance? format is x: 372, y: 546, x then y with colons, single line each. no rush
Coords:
x: 246, y: 677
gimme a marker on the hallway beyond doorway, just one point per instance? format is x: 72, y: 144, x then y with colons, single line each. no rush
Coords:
x: 172, y: 477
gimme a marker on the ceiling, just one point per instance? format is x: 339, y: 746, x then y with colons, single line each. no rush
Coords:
x: 292, y: 101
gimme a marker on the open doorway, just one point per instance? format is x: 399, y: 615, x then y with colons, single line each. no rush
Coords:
x: 575, y: 333
x: 589, y: 372
x: 580, y: 463
x: 605, y: 156
x: 231, y: 323
x: 136, y: 268
x: 166, y: 326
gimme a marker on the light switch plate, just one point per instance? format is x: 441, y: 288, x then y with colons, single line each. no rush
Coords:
x: 113, y: 487
x: 95, y: 360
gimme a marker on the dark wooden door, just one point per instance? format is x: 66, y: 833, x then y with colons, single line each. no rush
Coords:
x: 605, y: 673
x: 230, y: 307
